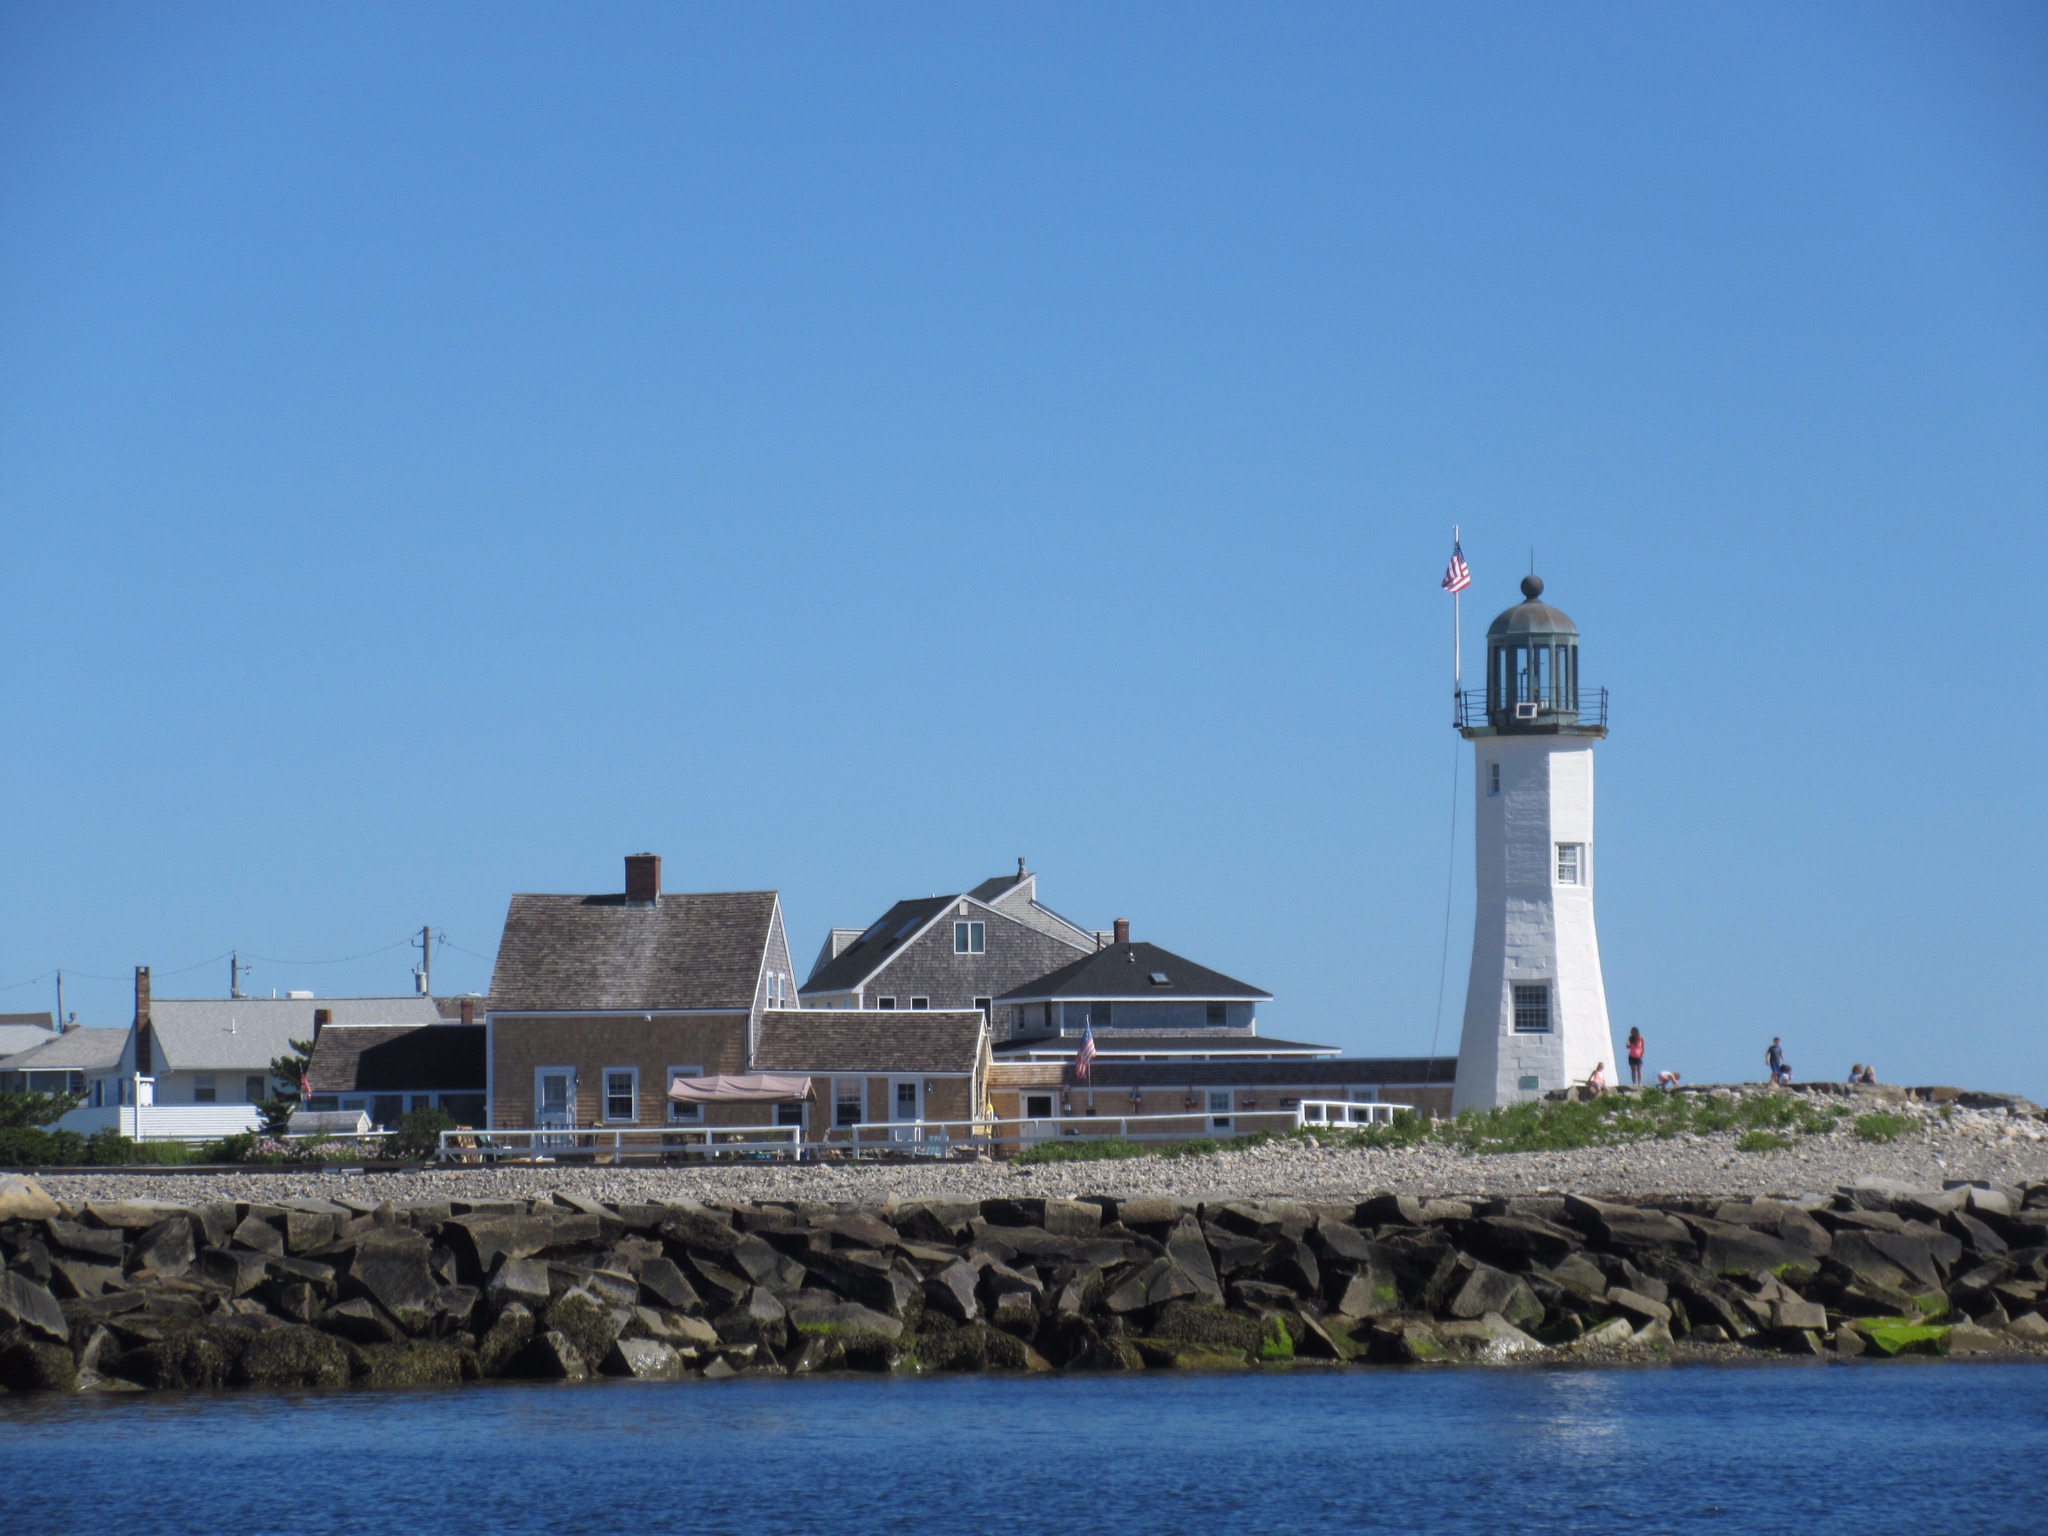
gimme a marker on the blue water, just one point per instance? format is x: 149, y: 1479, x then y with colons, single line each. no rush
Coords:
x: 1811, y: 1449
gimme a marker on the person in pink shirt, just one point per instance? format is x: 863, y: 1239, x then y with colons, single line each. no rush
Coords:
x: 1635, y: 1056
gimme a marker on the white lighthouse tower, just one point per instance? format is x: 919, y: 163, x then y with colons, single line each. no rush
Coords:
x: 1535, y: 1005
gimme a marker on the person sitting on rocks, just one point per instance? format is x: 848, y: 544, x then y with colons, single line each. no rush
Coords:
x: 1784, y: 1077
x: 1869, y: 1077
x: 1855, y: 1071
x: 1596, y: 1080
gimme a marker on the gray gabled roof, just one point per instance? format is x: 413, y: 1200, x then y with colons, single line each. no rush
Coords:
x: 24, y: 1031
x: 82, y: 1050
x: 604, y: 952
x: 868, y: 1040
x: 1129, y: 971
x: 372, y: 1058
x: 874, y: 948
x: 1136, y: 1042
x: 244, y: 1034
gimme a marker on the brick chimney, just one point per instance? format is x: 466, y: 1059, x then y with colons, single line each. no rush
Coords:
x: 643, y: 877
x: 143, y: 1062
x: 1123, y: 930
x: 469, y: 1010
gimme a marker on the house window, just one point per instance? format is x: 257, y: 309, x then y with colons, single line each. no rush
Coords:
x: 970, y: 938
x: 791, y: 1113
x: 685, y: 1114
x: 920, y: 1003
x: 1219, y: 1108
x: 847, y: 1097
x: 986, y: 1005
x: 1493, y: 778
x: 885, y: 1002
x: 1571, y: 863
x: 252, y: 1089
x: 1097, y: 1014
x: 203, y: 1091
x: 1215, y: 1015
x: 1532, y: 1007
x: 622, y: 1093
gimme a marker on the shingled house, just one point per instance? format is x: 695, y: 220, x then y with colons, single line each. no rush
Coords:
x: 389, y: 1070
x: 1173, y: 1037
x: 958, y: 951
x: 876, y: 1067
x: 599, y: 1003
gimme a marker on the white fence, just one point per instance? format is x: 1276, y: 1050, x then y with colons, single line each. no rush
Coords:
x: 892, y: 1138
x: 166, y: 1122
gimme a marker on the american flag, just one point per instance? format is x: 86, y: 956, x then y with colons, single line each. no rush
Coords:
x: 1458, y: 576
x: 1085, y: 1057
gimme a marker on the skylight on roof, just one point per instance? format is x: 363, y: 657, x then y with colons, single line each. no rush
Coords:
x: 904, y: 931
x: 1159, y: 979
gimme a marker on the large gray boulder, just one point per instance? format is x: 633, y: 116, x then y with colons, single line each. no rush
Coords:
x: 1188, y: 1252
x: 1488, y: 1289
x: 23, y: 1199
x: 31, y: 1308
x: 393, y: 1267
x: 165, y: 1249
x: 645, y: 1360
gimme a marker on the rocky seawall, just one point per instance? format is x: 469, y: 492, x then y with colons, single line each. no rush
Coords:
x: 134, y: 1295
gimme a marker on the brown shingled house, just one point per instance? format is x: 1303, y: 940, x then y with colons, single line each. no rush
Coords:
x: 598, y: 1003
x: 387, y: 1070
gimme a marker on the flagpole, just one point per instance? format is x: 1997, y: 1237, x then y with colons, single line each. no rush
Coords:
x: 1457, y: 639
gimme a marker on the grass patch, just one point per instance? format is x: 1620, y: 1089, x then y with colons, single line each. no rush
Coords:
x: 1765, y: 1122
x: 1882, y: 1126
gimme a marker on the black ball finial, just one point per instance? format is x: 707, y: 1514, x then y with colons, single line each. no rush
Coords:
x: 1532, y: 586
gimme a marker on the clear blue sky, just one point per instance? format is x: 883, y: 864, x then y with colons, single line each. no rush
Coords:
x: 446, y: 448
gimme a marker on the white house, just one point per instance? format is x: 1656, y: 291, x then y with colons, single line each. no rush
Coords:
x: 209, y: 1058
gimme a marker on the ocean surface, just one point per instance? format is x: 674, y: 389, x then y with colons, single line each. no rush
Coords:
x: 1752, y: 1449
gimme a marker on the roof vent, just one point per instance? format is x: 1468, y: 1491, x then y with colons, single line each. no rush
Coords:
x: 298, y: 996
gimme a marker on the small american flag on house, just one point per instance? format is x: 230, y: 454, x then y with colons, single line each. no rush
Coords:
x: 1084, y: 1059
x: 1458, y: 576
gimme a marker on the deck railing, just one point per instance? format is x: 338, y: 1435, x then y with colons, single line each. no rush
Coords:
x: 885, y: 1138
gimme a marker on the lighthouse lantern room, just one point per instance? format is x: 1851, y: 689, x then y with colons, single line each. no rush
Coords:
x: 1535, y: 1002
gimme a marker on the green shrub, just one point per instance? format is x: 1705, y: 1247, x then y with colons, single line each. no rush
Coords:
x: 29, y: 1146
x: 1762, y: 1141
x: 419, y: 1134
x: 1882, y: 1126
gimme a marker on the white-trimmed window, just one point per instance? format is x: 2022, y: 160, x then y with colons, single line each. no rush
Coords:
x: 252, y: 1088
x: 849, y: 1101
x: 621, y: 1095
x: 1532, y: 1007
x: 920, y: 1003
x: 1571, y: 863
x: 203, y: 1089
x: 970, y: 938
x: 790, y: 1113
x: 885, y: 1002
x: 684, y: 1114
x: 1493, y: 778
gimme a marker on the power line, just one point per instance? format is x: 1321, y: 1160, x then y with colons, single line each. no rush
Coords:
x: 343, y: 960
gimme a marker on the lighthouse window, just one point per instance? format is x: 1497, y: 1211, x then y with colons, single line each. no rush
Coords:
x: 1532, y: 1008
x: 1493, y: 778
x: 1571, y: 858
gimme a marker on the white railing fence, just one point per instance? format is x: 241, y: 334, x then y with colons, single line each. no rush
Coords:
x: 915, y: 1138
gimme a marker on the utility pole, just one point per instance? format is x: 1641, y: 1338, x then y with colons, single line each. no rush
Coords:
x: 60, y: 999
x: 236, y: 971
x: 423, y: 973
